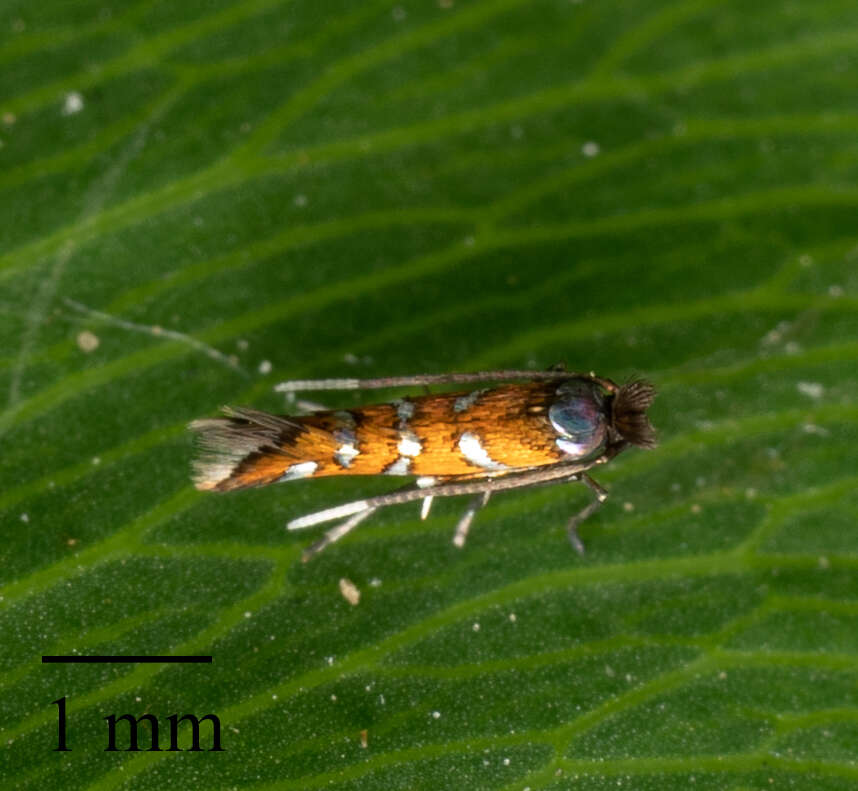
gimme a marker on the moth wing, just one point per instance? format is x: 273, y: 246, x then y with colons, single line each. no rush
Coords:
x: 253, y: 448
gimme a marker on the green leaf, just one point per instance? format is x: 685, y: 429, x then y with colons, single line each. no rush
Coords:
x: 201, y: 199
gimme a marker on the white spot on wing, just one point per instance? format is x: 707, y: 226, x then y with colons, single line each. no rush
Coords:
x: 345, y: 453
x: 302, y: 470
x: 465, y: 402
x: 475, y: 453
x: 348, y: 447
x: 409, y: 444
x: 404, y: 409
x: 399, y: 467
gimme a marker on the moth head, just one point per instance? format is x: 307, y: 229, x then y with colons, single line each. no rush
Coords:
x: 588, y: 417
x: 629, y: 418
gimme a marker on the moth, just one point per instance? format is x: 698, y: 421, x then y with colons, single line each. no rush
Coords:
x: 528, y: 428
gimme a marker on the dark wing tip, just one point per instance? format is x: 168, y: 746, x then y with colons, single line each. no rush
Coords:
x: 225, y: 443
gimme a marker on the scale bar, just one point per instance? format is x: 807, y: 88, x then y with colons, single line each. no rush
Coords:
x: 83, y: 659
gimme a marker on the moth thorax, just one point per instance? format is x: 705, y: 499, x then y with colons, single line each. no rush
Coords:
x: 579, y: 416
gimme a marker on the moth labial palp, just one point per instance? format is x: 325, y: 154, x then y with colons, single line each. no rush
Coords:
x: 531, y: 428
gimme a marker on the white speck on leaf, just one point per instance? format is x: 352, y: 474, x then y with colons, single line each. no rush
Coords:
x: 87, y: 341
x: 590, y: 149
x: 73, y: 103
x: 813, y: 390
x: 349, y: 591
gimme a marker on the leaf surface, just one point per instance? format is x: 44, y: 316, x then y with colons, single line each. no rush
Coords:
x: 202, y: 199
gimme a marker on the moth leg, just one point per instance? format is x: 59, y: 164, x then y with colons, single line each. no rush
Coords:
x: 403, y: 495
x: 358, y: 512
x: 585, y: 513
x: 447, y: 487
x: 336, y: 533
x: 464, y: 525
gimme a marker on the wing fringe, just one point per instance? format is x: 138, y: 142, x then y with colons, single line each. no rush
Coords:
x: 227, y: 447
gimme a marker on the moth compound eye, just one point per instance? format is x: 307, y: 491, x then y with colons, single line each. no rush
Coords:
x: 578, y: 417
